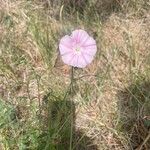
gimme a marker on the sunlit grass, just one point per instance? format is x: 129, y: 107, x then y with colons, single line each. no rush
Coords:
x: 110, y: 107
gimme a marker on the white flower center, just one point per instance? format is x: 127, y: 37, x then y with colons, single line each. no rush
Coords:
x: 77, y: 48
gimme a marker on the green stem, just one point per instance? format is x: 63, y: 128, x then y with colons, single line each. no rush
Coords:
x: 71, y: 92
x: 72, y: 79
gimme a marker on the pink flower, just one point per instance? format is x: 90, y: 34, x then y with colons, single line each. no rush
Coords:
x: 78, y: 49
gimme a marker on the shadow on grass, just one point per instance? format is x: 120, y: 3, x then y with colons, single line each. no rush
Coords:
x: 103, y: 8
x: 58, y: 131
x: 134, y: 106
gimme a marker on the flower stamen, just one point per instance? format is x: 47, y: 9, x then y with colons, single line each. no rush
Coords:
x: 77, y: 49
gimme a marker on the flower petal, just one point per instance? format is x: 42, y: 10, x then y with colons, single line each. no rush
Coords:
x: 88, y: 58
x: 89, y: 47
x: 90, y: 50
x: 89, y: 42
x: 65, y: 45
x: 67, y: 58
x: 74, y: 61
x: 79, y: 36
x: 81, y: 62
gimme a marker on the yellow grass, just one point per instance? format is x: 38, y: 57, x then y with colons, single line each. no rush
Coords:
x: 111, y: 104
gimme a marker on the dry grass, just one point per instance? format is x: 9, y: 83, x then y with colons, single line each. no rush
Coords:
x: 110, y: 107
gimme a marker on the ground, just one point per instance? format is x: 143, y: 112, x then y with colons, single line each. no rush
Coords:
x: 109, y: 108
